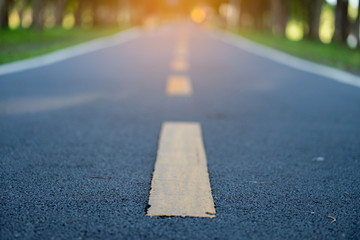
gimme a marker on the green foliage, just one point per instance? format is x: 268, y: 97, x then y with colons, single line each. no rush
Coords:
x: 22, y: 43
x: 335, y: 54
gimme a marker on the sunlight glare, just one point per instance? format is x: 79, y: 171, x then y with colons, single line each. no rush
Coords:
x: 198, y: 15
x: 294, y: 31
x: 14, y: 20
x: 327, y: 27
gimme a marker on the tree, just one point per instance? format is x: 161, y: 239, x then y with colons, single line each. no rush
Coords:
x: 4, y: 13
x: 258, y: 11
x: 314, y: 8
x: 341, y: 21
x: 79, y: 12
x: 21, y: 6
x: 279, y: 16
x: 37, y: 14
x: 60, y: 11
x: 357, y: 26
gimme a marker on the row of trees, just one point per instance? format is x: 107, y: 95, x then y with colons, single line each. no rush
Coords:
x: 275, y: 14
x: 262, y: 15
x: 101, y: 11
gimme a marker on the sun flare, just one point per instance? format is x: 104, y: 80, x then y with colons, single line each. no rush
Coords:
x: 198, y: 15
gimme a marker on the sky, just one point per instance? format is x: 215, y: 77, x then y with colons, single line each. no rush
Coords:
x: 353, y: 3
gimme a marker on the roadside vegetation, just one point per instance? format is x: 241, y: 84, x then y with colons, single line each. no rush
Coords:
x: 324, y: 21
x: 26, y: 43
x: 30, y: 28
x: 333, y: 54
x: 325, y: 31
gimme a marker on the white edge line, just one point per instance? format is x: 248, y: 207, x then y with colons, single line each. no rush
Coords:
x: 287, y: 59
x: 70, y: 52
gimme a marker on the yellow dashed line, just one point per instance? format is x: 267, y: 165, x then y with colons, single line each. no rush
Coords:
x: 179, y: 65
x: 179, y: 85
x: 181, y: 51
x: 180, y: 184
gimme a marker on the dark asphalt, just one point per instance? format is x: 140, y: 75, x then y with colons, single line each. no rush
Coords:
x: 265, y: 127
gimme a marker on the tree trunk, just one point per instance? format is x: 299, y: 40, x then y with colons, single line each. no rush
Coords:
x: 125, y: 4
x: 96, y: 18
x: 341, y: 21
x: 243, y: 13
x: 135, y: 12
x: 21, y: 11
x: 37, y: 14
x: 79, y: 13
x: 279, y: 16
x: 357, y: 27
x: 257, y: 13
x: 315, y: 8
x: 4, y: 14
x: 60, y: 11
x: 236, y: 4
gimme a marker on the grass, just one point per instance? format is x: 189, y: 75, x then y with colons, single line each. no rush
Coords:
x: 26, y: 43
x: 334, y: 55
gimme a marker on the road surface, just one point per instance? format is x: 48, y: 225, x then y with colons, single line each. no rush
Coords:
x: 79, y: 139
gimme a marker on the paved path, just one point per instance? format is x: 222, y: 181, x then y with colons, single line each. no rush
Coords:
x: 79, y: 138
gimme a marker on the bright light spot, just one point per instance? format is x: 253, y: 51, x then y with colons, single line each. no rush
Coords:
x: 230, y: 13
x: 353, y: 3
x: 150, y: 22
x: 223, y: 9
x: 69, y: 21
x: 198, y: 15
x: 327, y: 28
x: 332, y: 2
x: 352, y: 41
x: 178, y: 85
x: 26, y: 18
x: 14, y: 20
x: 294, y: 31
x: 352, y: 12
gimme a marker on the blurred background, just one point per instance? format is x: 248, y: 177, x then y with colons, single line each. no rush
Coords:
x: 327, y: 22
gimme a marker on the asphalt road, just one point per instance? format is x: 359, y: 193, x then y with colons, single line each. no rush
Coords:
x: 282, y: 145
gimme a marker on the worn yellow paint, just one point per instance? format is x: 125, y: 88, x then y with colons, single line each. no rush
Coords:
x: 182, y: 39
x: 182, y: 44
x: 180, y: 184
x: 179, y: 65
x: 179, y: 85
x: 181, y: 51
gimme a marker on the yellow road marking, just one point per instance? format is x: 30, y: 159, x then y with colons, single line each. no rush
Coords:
x: 180, y: 184
x: 178, y: 86
x: 182, y: 44
x: 179, y: 65
x: 182, y: 39
x: 181, y: 51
